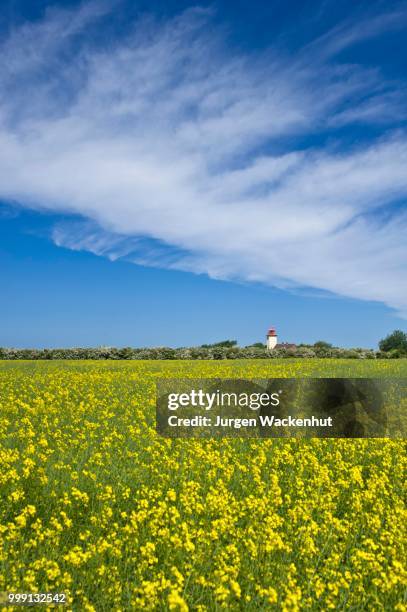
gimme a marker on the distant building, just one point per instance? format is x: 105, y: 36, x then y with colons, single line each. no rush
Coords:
x: 272, y: 342
x: 271, y: 339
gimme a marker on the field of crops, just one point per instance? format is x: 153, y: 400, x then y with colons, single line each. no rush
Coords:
x: 95, y: 504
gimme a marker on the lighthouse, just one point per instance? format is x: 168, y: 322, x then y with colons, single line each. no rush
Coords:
x: 271, y: 339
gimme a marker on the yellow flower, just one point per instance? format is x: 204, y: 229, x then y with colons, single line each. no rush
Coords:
x: 176, y: 602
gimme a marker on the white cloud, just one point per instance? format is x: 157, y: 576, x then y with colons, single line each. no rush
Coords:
x: 168, y: 136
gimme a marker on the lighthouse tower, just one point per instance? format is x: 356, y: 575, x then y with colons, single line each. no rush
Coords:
x: 271, y: 339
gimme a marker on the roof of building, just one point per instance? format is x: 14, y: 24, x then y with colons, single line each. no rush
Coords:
x: 286, y: 345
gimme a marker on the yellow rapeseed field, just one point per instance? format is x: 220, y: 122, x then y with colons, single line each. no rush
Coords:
x: 95, y: 504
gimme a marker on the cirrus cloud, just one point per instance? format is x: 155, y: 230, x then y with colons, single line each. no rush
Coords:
x: 177, y: 152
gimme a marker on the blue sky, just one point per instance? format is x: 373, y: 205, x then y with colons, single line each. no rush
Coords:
x: 176, y: 174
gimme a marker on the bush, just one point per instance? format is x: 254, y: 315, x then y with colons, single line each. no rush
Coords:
x: 256, y: 351
x: 305, y: 352
x: 350, y: 354
x: 396, y: 354
x: 222, y: 344
x: 322, y: 345
x: 396, y: 340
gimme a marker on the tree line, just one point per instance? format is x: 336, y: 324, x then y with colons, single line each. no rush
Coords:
x: 393, y: 346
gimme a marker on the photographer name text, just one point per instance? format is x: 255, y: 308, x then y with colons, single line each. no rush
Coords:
x: 237, y: 423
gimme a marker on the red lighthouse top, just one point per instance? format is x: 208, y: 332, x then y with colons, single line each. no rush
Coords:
x: 271, y: 332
